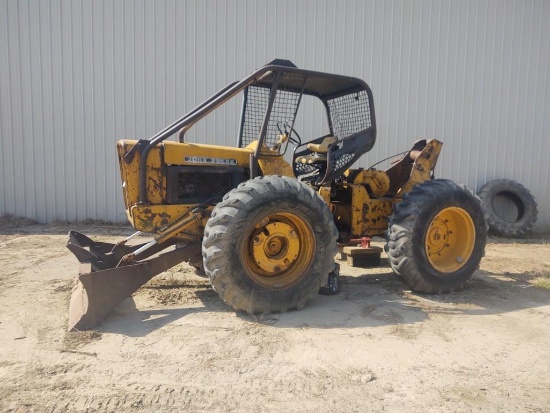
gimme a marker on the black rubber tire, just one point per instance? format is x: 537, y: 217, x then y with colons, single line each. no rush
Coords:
x: 227, y: 234
x: 408, y: 228
x: 517, y: 194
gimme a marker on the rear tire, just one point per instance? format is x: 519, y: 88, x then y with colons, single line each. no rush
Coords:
x: 436, y: 236
x: 269, y: 245
x: 517, y: 194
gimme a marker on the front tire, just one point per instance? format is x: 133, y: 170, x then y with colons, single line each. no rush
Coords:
x: 269, y: 245
x: 436, y: 236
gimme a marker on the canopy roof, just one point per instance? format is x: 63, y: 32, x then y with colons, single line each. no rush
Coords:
x: 320, y: 84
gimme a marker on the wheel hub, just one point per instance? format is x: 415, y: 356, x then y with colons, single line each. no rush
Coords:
x: 438, y: 234
x: 275, y: 248
x: 450, y: 239
x: 279, y: 250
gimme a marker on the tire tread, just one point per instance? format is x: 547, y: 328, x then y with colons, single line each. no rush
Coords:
x: 234, y: 210
x: 406, y: 258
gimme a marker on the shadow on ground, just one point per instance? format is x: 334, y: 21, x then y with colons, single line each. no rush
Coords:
x: 10, y: 225
x: 366, y: 300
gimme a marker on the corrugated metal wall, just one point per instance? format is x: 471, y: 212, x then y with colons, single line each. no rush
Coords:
x: 75, y: 76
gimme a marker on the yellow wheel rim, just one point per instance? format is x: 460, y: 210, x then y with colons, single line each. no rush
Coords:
x: 278, y: 250
x: 450, y: 239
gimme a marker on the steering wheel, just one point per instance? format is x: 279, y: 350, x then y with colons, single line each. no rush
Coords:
x: 290, y: 132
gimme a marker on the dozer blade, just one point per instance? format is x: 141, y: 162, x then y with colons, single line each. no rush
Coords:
x: 105, y: 279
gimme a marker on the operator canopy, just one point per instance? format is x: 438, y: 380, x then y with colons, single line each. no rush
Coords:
x: 272, y: 100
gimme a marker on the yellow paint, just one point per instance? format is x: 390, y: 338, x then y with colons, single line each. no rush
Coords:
x: 450, y: 239
x: 359, y: 199
x: 175, y: 153
x: 422, y: 167
x: 276, y: 247
x: 324, y: 192
x: 277, y: 250
x: 323, y: 146
x: 271, y: 162
x: 368, y: 216
x: 376, y: 218
x: 154, y: 218
x: 274, y: 165
x: 378, y: 181
x: 360, y: 214
x: 170, y: 153
x: 156, y: 181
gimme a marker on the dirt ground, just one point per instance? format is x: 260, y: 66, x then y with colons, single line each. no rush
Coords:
x: 174, y: 346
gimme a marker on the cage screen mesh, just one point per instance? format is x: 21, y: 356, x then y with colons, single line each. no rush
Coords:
x: 343, y: 160
x: 350, y: 114
x: 304, y: 168
x: 283, y: 112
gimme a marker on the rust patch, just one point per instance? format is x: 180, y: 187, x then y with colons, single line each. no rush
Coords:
x: 153, y: 221
x: 366, y: 209
x: 154, y: 185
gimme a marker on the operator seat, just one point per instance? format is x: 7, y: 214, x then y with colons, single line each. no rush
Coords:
x: 319, y: 151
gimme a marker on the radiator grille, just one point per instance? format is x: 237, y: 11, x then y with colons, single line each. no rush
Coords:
x: 203, y: 185
x: 196, y: 185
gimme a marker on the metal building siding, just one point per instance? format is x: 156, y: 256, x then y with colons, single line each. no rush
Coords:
x: 76, y: 76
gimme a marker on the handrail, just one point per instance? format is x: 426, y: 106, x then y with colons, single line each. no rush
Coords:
x: 210, y: 99
x: 189, y: 119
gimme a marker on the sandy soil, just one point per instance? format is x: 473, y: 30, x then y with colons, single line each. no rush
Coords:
x: 174, y: 346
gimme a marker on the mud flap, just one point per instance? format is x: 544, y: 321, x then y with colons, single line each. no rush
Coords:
x: 105, y: 279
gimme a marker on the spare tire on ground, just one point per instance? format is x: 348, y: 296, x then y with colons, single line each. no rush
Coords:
x: 509, y: 207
